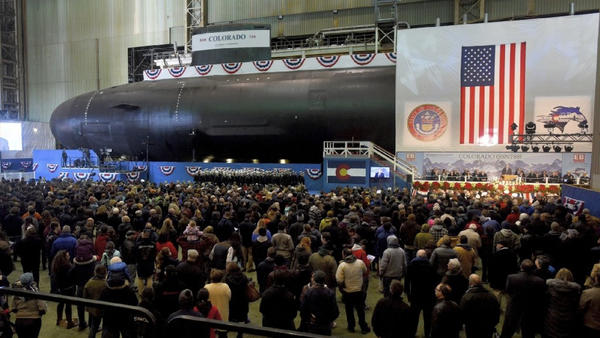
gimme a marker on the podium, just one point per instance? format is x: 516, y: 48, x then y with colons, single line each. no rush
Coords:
x: 509, y: 178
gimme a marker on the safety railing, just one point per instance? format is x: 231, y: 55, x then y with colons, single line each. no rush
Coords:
x: 150, y: 321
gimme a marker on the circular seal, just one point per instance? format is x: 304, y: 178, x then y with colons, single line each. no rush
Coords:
x: 427, y: 122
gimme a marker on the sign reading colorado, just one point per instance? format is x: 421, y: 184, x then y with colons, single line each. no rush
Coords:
x: 427, y: 122
x: 232, y: 39
x: 346, y: 172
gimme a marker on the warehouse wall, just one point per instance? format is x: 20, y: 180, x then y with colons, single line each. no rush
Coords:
x: 75, y: 46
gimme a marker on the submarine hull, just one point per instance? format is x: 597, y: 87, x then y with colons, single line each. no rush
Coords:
x: 258, y: 116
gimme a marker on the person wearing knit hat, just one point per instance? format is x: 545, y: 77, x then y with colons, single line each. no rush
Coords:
x: 29, y: 250
x: 28, y: 311
x: 185, y: 328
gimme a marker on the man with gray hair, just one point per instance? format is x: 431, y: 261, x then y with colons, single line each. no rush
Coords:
x: 190, y: 273
x: 480, y: 310
x: 65, y: 241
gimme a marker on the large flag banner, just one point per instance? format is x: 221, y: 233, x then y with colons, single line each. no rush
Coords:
x: 492, y: 93
x: 346, y: 172
x: 573, y: 205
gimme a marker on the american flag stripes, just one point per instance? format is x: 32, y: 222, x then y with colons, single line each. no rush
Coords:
x: 492, y: 93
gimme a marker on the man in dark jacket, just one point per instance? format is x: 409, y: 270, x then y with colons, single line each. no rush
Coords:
x: 81, y: 272
x: 318, y: 307
x: 264, y: 268
x: 29, y: 249
x: 12, y: 226
x: 115, y: 321
x: 526, y: 304
x: 391, y: 317
x: 145, y: 250
x: 278, y: 305
x: 480, y: 310
x: 446, y: 320
x: 420, y: 283
x: 440, y: 257
x: 185, y: 328
x: 502, y: 263
x: 190, y: 273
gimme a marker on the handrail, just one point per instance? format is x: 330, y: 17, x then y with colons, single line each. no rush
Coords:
x: 244, y: 328
x: 79, y: 301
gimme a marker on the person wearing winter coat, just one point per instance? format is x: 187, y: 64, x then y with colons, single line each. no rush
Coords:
x: 423, y: 237
x: 563, y: 303
x: 66, y: 241
x: 480, y: 310
x: 502, y: 263
x: 392, y: 317
x: 438, y: 231
x: 117, y: 321
x: 93, y: 290
x: 393, y: 264
x: 324, y: 261
x: 349, y: 276
x: 278, y: 305
x: 419, y: 285
x: 526, y: 304
x: 238, y: 283
x: 28, y: 312
x: 318, y: 306
x: 456, y: 280
x: 283, y: 243
x: 506, y: 235
x: 589, y: 307
x: 440, y: 257
x: 466, y: 256
x: 29, y: 249
x: 446, y: 320
x: 81, y: 271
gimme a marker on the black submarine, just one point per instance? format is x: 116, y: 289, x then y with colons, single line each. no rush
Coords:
x: 265, y: 116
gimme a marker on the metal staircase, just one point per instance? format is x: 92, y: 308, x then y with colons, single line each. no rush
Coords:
x: 366, y: 149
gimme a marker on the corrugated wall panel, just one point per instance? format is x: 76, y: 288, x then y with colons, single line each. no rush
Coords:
x: 563, y: 6
x: 502, y: 9
x: 425, y: 13
x: 62, y: 37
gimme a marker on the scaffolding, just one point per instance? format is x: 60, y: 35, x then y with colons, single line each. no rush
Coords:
x: 10, y: 69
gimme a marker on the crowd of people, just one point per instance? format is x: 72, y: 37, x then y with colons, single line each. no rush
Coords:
x: 187, y: 249
x: 283, y: 176
x: 532, y: 176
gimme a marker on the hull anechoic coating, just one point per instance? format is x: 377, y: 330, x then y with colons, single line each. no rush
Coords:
x: 265, y: 116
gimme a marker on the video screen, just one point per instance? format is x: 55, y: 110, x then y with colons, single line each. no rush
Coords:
x: 10, y: 136
x: 380, y: 172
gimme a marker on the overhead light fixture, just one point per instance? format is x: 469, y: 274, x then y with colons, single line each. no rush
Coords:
x: 284, y: 161
x: 524, y: 148
x: 228, y: 160
x: 530, y: 127
x: 568, y: 148
x: 255, y: 161
x: 535, y: 149
x: 557, y: 148
x: 546, y: 148
x: 280, y: 17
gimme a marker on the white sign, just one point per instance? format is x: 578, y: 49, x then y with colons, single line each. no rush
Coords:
x: 232, y: 39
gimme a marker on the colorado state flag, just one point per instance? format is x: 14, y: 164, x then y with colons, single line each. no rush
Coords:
x: 346, y: 172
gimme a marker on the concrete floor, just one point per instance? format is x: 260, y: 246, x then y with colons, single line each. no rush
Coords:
x: 50, y: 330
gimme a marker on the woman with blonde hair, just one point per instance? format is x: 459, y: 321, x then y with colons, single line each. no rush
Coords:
x: 563, y: 302
x: 261, y: 224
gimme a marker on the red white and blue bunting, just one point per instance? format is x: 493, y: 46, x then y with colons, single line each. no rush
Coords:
x: 263, y: 66
x: 391, y: 57
x: 166, y: 169
x: 328, y: 61
x: 52, y: 167
x: 276, y: 66
x: 192, y: 170
x: 293, y: 64
x: 140, y: 167
x: 26, y: 164
x: 177, y: 71
x: 231, y: 68
x: 153, y: 74
x: 133, y: 176
x: 203, y: 70
x: 6, y: 165
x: 108, y: 177
x: 314, y: 174
x: 363, y: 59
x: 63, y: 175
x: 81, y: 176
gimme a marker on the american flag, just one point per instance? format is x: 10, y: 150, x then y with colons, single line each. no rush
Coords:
x: 492, y: 93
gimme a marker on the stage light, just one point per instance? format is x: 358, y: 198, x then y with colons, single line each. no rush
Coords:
x: 535, y: 149
x: 514, y: 126
x: 568, y: 148
x: 546, y: 148
x: 530, y: 128
x: 583, y: 125
x: 255, y: 161
x: 228, y: 160
x: 284, y: 161
x: 524, y: 149
x: 513, y: 147
x: 557, y: 148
